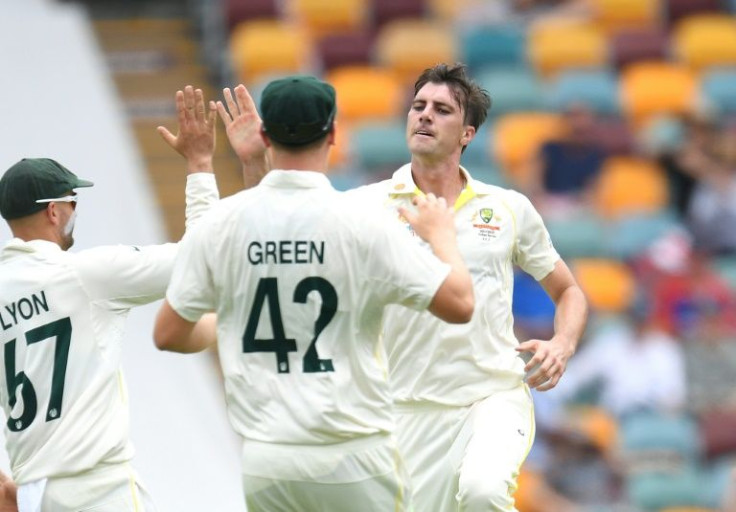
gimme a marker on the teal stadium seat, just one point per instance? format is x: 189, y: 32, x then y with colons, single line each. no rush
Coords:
x: 718, y: 87
x: 512, y: 89
x: 657, y: 491
x: 596, y: 89
x: 379, y: 147
x: 490, y: 46
x: 630, y: 235
x: 671, y: 438
x: 479, y: 151
x: 580, y: 237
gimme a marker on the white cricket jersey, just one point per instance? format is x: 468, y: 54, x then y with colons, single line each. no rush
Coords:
x: 458, y: 364
x: 62, y: 317
x: 299, y: 275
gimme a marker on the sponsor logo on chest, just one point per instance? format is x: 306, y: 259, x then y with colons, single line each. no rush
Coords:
x: 486, y: 224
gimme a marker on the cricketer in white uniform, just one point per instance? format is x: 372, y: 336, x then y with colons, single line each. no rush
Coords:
x: 62, y: 317
x: 465, y: 416
x: 299, y: 275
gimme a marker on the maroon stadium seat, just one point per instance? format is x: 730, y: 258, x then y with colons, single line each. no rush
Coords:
x: 633, y: 45
x: 388, y: 10
x: 242, y: 10
x: 346, y: 49
x: 676, y: 9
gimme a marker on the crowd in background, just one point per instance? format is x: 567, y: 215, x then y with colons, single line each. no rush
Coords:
x: 636, y: 182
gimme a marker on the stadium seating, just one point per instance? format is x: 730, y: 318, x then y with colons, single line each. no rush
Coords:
x: 560, y: 45
x: 478, y: 152
x: 630, y: 185
x: 265, y: 47
x: 237, y: 11
x: 512, y: 89
x: 580, y: 237
x: 640, y: 44
x: 613, y: 135
x: 386, y: 11
x: 652, y: 88
x: 345, y: 49
x: 608, y: 284
x: 718, y: 88
x: 660, y: 490
x: 632, y: 234
x: 718, y: 431
x: 517, y: 138
x: 614, y: 15
x: 410, y: 46
x: 598, y: 90
x: 379, y: 148
x: 321, y: 17
x: 677, y: 9
x: 487, y: 46
x: 705, y: 41
x: 357, y: 98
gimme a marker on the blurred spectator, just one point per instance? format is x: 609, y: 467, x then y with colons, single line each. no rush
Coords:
x: 564, y: 173
x: 630, y: 366
x: 711, y: 214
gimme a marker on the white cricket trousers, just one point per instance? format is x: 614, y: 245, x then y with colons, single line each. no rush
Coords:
x: 467, y: 458
x: 362, y: 475
x: 106, y: 488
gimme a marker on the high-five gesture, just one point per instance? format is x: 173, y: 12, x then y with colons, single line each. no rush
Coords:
x: 195, y: 138
x: 243, y: 125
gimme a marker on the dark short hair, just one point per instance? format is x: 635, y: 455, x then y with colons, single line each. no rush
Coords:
x: 472, y: 98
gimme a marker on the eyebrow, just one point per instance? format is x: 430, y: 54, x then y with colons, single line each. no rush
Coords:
x: 438, y: 103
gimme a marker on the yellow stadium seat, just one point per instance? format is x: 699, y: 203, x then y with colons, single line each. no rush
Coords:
x: 556, y: 44
x: 654, y: 87
x: 608, y: 284
x: 447, y: 9
x: 322, y: 17
x: 409, y: 46
x: 268, y: 47
x: 366, y: 93
x: 516, y: 140
x: 528, y: 496
x: 706, y: 40
x: 614, y: 15
x: 629, y: 185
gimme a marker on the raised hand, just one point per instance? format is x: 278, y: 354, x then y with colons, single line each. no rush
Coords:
x: 195, y: 138
x: 433, y: 220
x: 243, y: 125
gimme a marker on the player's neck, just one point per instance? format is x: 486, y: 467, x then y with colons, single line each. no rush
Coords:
x: 307, y: 161
x: 444, y: 180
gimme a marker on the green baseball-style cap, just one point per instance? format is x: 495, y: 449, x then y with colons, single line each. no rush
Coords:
x: 31, y: 180
x: 298, y: 109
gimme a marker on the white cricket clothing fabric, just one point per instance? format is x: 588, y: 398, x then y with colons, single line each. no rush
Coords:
x: 467, y: 458
x: 30, y: 495
x: 364, y: 474
x: 458, y: 364
x: 284, y: 264
x: 62, y: 316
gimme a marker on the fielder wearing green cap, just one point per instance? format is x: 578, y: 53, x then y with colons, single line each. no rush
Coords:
x: 29, y: 185
x: 307, y: 391
x: 297, y: 110
x: 62, y: 318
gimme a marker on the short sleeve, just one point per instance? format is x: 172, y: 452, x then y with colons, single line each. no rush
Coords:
x: 400, y: 270
x: 533, y: 251
x: 191, y: 292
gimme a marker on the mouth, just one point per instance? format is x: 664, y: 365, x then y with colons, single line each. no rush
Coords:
x: 423, y: 133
